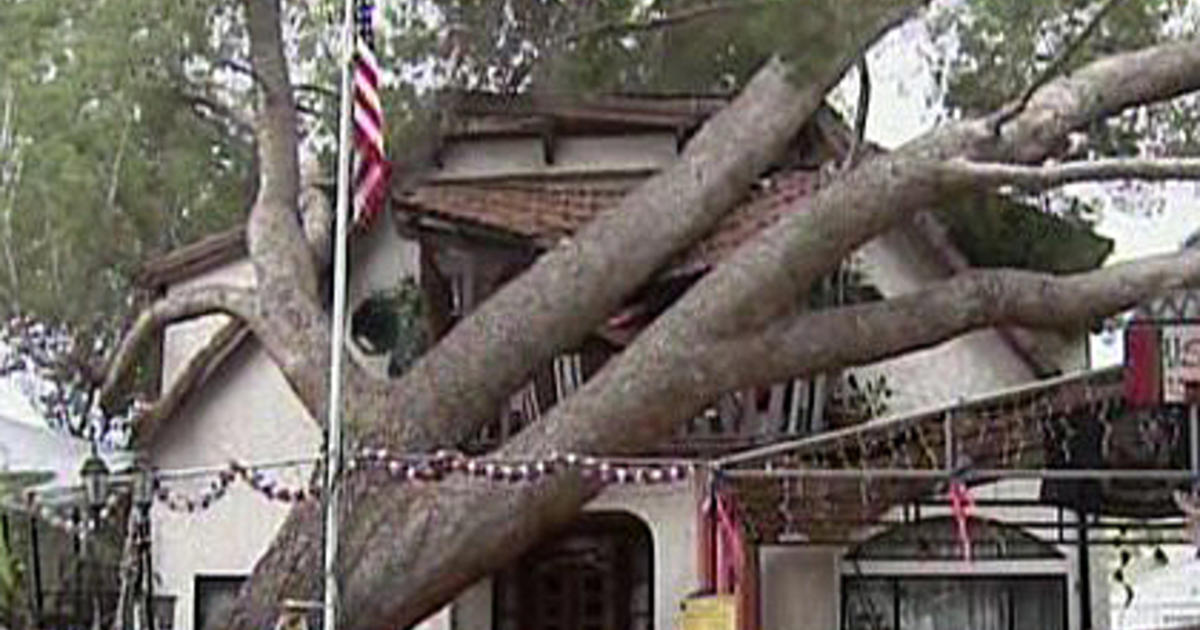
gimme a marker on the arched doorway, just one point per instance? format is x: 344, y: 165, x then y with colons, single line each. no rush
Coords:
x: 598, y: 575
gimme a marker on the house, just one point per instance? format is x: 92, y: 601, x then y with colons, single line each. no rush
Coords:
x: 511, y: 176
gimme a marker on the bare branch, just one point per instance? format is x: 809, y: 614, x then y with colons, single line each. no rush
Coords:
x: 864, y: 333
x: 189, y: 304
x: 240, y: 68
x: 1014, y: 109
x: 683, y: 16
x: 319, y: 90
x: 1036, y: 178
x: 860, y: 114
x: 220, y: 114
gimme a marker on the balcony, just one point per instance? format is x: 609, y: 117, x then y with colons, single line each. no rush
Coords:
x: 736, y: 420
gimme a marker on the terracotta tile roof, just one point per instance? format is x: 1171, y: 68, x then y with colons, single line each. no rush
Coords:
x: 544, y: 212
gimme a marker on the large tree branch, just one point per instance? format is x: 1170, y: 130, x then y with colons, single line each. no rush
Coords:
x: 458, y: 385
x: 285, y: 270
x: 1014, y: 109
x: 766, y: 277
x: 642, y: 394
x: 1051, y: 175
x: 864, y: 333
x: 294, y: 324
x: 698, y: 374
x: 179, y: 306
x: 451, y: 391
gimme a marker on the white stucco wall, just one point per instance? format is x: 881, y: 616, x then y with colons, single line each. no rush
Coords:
x: 249, y: 415
x: 898, y: 263
x: 573, y: 155
x: 245, y: 412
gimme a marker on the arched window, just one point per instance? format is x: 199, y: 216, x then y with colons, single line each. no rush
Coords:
x: 598, y: 575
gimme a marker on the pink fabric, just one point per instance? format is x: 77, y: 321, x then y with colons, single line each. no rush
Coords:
x: 961, y: 505
x: 730, y: 560
x: 1143, y: 365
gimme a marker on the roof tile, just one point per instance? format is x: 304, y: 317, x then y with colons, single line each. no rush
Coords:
x: 545, y: 212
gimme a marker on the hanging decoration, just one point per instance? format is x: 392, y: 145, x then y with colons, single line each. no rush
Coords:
x: 961, y: 505
x: 408, y: 468
x: 439, y: 465
x: 217, y: 489
x: 70, y: 519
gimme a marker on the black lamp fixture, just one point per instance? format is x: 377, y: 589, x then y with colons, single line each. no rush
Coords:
x: 95, y: 481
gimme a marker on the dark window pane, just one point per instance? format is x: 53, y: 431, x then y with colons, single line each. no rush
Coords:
x: 954, y: 605
x: 869, y: 604
x: 1039, y: 604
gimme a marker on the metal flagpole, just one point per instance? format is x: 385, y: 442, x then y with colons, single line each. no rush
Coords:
x: 333, y: 440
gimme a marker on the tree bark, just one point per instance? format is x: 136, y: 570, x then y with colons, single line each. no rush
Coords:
x: 409, y: 549
x: 452, y: 391
x: 448, y: 395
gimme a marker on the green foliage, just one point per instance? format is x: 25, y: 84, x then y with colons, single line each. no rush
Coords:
x: 391, y: 323
x: 995, y: 231
x: 607, y: 47
x: 998, y: 48
x: 107, y: 156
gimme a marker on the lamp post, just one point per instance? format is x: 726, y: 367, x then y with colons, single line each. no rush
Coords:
x: 95, y: 485
x: 143, y: 498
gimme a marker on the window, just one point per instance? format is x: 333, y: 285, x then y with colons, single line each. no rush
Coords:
x: 596, y: 576
x: 214, y: 595
x: 954, y: 603
x: 908, y: 599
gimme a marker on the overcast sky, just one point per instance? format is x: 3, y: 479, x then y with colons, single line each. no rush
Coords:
x: 900, y: 88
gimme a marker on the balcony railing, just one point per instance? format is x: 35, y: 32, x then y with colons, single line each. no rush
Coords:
x: 737, y: 419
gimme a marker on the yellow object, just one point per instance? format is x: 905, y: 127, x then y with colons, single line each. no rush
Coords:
x: 708, y: 612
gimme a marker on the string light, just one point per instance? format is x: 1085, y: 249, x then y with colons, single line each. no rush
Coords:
x: 72, y: 523
x: 609, y: 471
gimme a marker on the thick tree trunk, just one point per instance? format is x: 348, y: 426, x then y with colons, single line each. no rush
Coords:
x: 617, y: 253
x: 456, y: 387
x: 409, y: 549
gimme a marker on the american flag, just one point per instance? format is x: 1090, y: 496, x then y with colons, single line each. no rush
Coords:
x: 371, y: 167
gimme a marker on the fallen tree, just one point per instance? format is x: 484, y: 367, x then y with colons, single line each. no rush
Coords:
x: 422, y: 545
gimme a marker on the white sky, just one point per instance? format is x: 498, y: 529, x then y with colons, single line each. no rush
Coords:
x: 901, y: 85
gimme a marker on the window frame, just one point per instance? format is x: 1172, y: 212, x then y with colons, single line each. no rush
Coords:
x: 1008, y: 578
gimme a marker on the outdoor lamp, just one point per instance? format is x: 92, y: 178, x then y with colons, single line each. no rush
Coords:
x: 143, y: 487
x: 95, y: 481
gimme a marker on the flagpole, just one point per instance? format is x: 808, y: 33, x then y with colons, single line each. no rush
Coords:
x: 333, y: 441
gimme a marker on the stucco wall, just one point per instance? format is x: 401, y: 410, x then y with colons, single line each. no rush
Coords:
x: 245, y: 412
x: 800, y: 587
x: 572, y: 156
x: 897, y: 263
x: 249, y: 415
